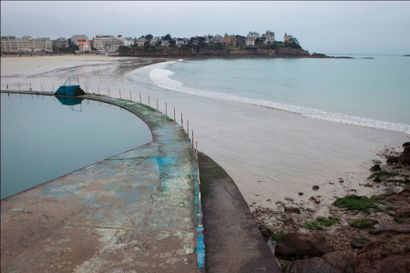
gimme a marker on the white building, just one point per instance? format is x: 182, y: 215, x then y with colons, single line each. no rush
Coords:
x: 107, y: 43
x: 128, y: 41
x: 181, y: 42
x: 165, y: 43
x: 141, y: 42
x: 11, y: 44
x: 154, y: 41
x: 82, y: 42
x: 269, y: 37
x: 251, y: 38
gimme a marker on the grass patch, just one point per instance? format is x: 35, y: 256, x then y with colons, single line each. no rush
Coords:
x: 381, y: 175
x: 321, y: 223
x: 277, y: 236
x: 358, y: 203
x: 362, y: 223
x: 376, y: 168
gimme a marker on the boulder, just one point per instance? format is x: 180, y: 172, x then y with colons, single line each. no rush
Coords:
x: 300, y: 245
x: 315, y: 199
x: 402, y: 215
x: 334, y: 262
x: 344, y: 261
x: 388, y: 256
x: 391, y: 159
x: 391, y: 256
x: 404, y: 158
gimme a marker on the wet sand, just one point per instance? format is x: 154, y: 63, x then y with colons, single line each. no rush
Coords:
x: 270, y: 154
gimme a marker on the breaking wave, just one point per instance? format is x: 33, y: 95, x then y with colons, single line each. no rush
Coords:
x: 162, y: 78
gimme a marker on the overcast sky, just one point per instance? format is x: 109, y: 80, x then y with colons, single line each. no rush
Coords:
x: 329, y: 27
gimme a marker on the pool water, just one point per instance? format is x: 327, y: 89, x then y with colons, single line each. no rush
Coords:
x: 43, y: 138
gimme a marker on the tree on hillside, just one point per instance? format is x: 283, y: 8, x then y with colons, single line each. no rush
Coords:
x: 293, y: 43
x: 167, y: 37
x: 276, y: 45
x: 148, y: 36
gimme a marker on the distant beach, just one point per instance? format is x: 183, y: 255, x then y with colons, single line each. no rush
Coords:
x: 272, y: 155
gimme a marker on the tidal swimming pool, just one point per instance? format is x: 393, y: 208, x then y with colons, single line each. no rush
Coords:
x: 43, y: 138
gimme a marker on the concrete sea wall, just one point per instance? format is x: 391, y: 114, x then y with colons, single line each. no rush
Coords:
x: 139, y: 211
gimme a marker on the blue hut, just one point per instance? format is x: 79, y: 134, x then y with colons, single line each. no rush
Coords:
x: 69, y: 90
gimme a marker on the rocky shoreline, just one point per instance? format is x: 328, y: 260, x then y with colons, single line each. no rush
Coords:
x: 359, y: 233
x: 285, y: 52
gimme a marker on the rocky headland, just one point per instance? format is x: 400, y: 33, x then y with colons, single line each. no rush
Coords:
x: 284, y: 52
x: 360, y: 234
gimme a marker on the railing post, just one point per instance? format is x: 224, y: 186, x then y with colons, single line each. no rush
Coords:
x: 166, y: 109
x: 174, y: 115
x: 182, y: 122
x: 130, y: 96
x: 187, y: 126
x: 192, y: 138
x: 149, y: 100
x: 196, y: 148
x: 19, y: 86
x: 140, y: 97
x: 157, y: 106
x: 119, y: 91
x: 42, y: 88
x: 109, y: 93
x: 30, y: 87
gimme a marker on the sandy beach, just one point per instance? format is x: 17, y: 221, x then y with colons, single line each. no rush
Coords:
x: 272, y: 155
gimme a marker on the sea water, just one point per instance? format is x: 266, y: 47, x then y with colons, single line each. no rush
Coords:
x: 367, y: 92
x: 42, y: 139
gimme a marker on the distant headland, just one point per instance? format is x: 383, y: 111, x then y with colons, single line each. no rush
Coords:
x: 228, y: 45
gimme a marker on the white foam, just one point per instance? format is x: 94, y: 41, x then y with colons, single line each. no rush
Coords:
x: 162, y: 78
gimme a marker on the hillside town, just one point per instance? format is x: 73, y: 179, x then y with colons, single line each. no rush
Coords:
x: 114, y: 45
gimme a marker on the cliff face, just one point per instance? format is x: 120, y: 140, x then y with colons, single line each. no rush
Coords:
x: 187, y: 53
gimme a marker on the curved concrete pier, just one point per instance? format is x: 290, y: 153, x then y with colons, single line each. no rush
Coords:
x: 134, y: 212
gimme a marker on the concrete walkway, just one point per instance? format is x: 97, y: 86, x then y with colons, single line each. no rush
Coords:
x: 233, y: 241
x: 133, y: 212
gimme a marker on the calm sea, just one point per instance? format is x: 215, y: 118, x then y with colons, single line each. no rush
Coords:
x: 42, y: 139
x: 367, y: 92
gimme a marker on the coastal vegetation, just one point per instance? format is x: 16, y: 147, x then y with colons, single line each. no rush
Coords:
x: 358, y: 203
x: 321, y: 223
x: 362, y: 223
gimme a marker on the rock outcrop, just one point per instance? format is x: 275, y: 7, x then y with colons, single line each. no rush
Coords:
x: 301, y: 245
x: 392, y: 256
x: 403, y: 158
